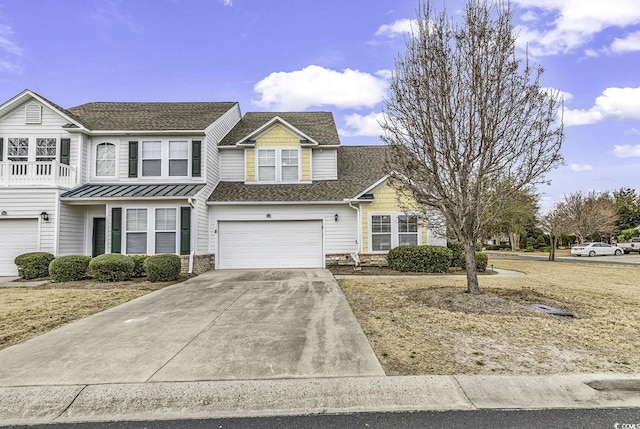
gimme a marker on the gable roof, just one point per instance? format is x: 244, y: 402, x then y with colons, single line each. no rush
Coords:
x: 28, y: 94
x: 319, y: 126
x: 142, y: 116
x: 359, y: 168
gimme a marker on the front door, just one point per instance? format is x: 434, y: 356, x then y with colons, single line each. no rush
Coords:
x: 99, y: 234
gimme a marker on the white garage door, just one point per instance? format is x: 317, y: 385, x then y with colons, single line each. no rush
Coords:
x: 270, y: 244
x: 17, y: 236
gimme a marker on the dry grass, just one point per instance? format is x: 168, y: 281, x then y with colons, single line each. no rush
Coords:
x: 429, y: 325
x: 26, y: 312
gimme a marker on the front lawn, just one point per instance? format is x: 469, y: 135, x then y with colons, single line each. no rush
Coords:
x: 429, y: 325
x: 26, y: 312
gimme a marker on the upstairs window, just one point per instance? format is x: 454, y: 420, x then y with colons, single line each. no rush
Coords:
x: 151, y: 158
x: 18, y: 149
x: 106, y: 160
x: 278, y: 165
x: 45, y: 149
x: 178, y: 158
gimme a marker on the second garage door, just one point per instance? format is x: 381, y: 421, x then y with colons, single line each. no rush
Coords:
x: 270, y: 244
x: 17, y: 236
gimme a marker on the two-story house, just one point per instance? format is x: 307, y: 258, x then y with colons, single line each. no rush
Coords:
x: 195, y: 179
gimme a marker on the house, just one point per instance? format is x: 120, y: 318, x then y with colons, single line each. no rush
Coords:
x: 263, y: 190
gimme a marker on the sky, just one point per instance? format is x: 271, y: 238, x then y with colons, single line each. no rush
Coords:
x: 329, y: 55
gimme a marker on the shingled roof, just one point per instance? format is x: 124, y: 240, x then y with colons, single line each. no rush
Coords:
x: 359, y: 167
x: 141, y: 116
x: 319, y: 126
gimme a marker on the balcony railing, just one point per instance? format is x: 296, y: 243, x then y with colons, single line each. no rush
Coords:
x: 45, y: 173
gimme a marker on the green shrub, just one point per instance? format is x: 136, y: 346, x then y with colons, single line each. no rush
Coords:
x: 529, y: 249
x: 422, y: 259
x: 494, y: 247
x: 546, y: 249
x: 33, y: 265
x: 162, y: 268
x: 138, y: 265
x: 457, y: 255
x: 69, y: 268
x: 481, y: 262
x: 111, y: 267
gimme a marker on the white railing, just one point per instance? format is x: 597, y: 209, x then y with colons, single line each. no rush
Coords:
x: 16, y: 173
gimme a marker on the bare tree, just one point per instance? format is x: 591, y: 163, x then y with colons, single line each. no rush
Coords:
x: 590, y: 214
x: 515, y: 215
x: 467, y: 121
x: 554, y: 224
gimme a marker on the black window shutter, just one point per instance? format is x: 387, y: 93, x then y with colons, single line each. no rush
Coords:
x: 185, y: 230
x: 116, y: 230
x: 1, y: 147
x: 133, y: 159
x: 196, y: 158
x: 65, y: 151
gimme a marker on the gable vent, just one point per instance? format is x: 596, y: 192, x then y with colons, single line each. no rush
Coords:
x: 33, y: 113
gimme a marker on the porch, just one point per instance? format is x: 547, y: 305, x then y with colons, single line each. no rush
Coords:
x: 24, y: 173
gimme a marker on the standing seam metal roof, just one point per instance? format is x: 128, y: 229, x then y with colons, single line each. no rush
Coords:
x: 89, y: 191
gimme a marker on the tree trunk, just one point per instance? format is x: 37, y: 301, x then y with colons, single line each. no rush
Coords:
x: 514, y: 238
x: 552, y: 252
x: 472, y: 274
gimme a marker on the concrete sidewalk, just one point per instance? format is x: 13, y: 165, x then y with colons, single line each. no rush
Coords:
x: 214, y: 399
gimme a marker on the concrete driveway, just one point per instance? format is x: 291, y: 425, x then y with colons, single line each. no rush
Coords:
x: 221, y: 325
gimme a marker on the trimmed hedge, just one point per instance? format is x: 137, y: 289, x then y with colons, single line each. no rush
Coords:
x: 422, y: 259
x: 33, y: 265
x: 111, y: 267
x: 69, y: 268
x: 457, y: 249
x: 481, y: 262
x: 162, y: 268
x: 138, y: 265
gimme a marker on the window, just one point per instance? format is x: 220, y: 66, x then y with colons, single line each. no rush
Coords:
x: 151, y: 158
x: 18, y: 149
x: 380, y: 233
x: 106, y: 159
x: 166, y: 231
x: 278, y: 165
x: 391, y: 230
x: 266, y: 165
x: 137, y: 231
x: 289, y: 158
x: 407, y: 230
x: 178, y: 158
x: 45, y: 149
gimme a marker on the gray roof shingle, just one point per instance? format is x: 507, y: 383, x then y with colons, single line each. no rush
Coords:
x: 89, y: 192
x: 359, y: 167
x: 142, y: 116
x: 319, y: 126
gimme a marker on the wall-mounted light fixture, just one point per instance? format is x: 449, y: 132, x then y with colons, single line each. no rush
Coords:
x: 44, y: 216
x: 268, y: 215
x: 4, y: 213
x: 335, y: 217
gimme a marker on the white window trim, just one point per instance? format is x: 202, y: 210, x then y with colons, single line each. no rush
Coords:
x: 94, y: 157
x: 395, y: 233
x: 164, y: 159
x: 188, y: 158
x: 278, y: 156
x: 151, y: 227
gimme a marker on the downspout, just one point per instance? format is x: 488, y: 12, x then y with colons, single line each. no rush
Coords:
x: 355, y: 255
x: 192, y: 253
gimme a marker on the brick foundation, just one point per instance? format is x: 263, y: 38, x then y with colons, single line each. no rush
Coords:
x: 366, y: 260
x: 201, y: 263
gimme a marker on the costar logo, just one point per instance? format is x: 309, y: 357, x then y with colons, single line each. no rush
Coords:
x: 627, y: 426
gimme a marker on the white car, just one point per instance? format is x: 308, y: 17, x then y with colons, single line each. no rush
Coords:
x: 593, y: 249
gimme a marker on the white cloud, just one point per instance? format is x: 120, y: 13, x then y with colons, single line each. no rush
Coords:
x: 319, y: 86
x: 10, y: 51
x: 616, y: 103
x: 626, y: 151
x: 633, y: 132
x: 570, y: 24
x: 580, y: 167
x: 397, y: 28
x: 628, y: 44
x: 362, y: 125
x: 228, y: 2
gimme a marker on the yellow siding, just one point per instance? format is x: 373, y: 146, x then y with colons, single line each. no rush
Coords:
x: 278, y: 136
x: 250, y: 168
x: 386, y: 199
x: 306, y: 164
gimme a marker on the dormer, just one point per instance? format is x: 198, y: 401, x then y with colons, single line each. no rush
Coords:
x: 280, y: 148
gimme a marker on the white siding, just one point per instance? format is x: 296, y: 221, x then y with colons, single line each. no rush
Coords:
x: 339, y: 237
x: 29, y: 203
x: 71, y: 240
x: 232, y: 165
x: 324, y: 164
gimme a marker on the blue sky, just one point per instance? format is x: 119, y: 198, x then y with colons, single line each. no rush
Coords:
x: 331, y: 55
